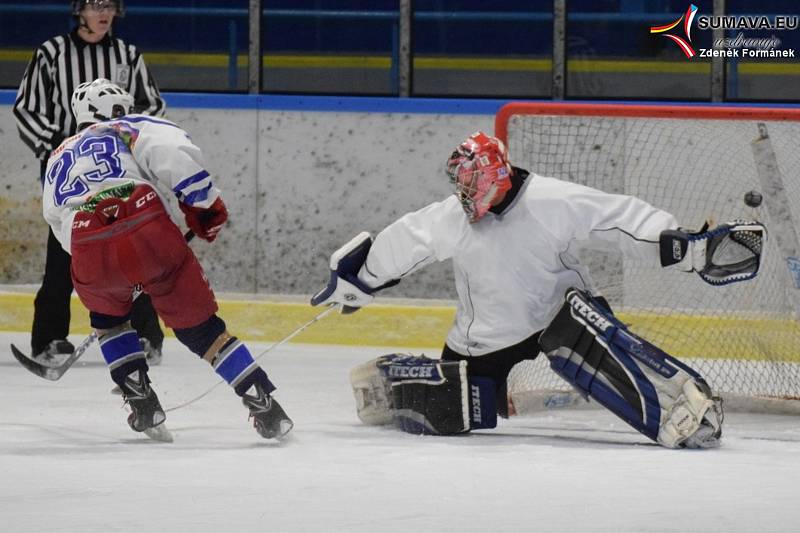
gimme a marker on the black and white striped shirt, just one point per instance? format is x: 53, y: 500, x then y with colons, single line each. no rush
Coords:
x: 42, y: 109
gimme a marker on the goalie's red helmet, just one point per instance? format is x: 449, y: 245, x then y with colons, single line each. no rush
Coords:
x: 481, y: 173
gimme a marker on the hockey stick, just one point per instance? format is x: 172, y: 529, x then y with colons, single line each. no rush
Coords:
x: 53, y: 373
x: 281, y: 342
x: 54, y: 370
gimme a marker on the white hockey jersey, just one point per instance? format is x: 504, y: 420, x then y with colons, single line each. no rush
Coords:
x: 512, y: 270
x: 109, y: 158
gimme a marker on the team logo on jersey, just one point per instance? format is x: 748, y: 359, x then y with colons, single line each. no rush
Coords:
x: 126, y: 133
x: 120, y: 191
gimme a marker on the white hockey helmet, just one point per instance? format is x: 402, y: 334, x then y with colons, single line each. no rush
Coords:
x: 98, y: 100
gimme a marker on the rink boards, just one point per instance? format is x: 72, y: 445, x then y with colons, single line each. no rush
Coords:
x: 422, y: 325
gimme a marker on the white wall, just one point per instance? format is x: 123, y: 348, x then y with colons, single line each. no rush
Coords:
x: 297, y: 185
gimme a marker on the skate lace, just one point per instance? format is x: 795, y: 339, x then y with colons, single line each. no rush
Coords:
x: 135, y: 392
x: 258, y: 405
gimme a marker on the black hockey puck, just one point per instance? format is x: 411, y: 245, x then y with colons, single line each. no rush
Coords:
x: 753, y: 199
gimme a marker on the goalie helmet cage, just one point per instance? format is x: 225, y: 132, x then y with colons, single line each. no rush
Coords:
x: 697, y: 162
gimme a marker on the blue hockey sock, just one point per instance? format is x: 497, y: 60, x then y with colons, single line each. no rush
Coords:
x: 123, y: 353
x: 236, y: 366
x: 233, y: 362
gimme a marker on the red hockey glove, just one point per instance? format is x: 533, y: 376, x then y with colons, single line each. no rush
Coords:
x: 205, y: 223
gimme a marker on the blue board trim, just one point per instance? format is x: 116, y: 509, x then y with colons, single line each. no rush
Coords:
x: 368, y: 104
x: 345, y: 104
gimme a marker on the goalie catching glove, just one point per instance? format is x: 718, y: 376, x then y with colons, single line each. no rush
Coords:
x: 726, y: 254
x: 344, y: 287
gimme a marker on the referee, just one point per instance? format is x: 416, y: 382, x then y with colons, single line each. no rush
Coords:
x: 44, y: 119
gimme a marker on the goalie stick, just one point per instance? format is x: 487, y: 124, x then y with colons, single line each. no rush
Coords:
x: 53, y: 370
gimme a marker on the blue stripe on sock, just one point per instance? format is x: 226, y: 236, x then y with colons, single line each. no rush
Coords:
x: 120, y: 346
x: 235, y: 364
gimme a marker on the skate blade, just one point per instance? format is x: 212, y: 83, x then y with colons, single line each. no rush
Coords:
x: 279, y: 433
x: 285, y: 427
x: 159, y: 433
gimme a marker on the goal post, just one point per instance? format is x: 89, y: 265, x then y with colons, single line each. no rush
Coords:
x: 697, y: 162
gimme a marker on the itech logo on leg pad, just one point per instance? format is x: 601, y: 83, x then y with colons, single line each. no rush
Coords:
x: 586, y: 312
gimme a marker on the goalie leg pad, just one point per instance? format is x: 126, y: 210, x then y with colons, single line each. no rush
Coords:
x: 373, y: 393
x: 422, y: 396
x: 652, y: 391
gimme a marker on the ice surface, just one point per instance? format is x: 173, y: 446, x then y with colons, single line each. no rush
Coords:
x: 69, y: 462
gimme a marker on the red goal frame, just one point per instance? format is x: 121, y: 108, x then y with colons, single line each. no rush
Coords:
x: 715, y: 112
x: 545, y: 398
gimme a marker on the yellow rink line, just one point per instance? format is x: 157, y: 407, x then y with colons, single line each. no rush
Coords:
x: 425, y: 326
x: 754, y: 339
x: 267, y: 321
x: 382, y: 62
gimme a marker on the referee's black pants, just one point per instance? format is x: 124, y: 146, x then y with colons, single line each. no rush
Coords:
x: 51, y: 313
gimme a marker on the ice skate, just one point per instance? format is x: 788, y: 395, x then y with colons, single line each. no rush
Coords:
x: 146, y: 410
x: 269, y: 418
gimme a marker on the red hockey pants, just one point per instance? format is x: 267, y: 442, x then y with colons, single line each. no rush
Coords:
x: 132, y: 243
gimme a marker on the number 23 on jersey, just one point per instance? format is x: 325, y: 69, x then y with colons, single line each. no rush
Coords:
x: 92, y: 159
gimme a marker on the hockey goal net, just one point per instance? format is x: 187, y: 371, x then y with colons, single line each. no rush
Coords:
x: 697, y: 162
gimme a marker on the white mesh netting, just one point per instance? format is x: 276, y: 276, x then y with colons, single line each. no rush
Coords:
x: 744, y: 338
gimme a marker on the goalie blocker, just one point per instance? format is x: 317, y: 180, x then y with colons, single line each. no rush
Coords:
x: 344, y: 287
x: 652, y: 391
x: 422, y: 395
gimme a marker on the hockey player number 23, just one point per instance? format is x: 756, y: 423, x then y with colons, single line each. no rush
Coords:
x: 104, y: 164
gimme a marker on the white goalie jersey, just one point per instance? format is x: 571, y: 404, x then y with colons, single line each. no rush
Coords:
x: 513, y: 269
x: 115, y: 156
